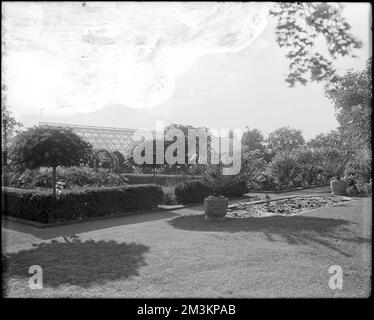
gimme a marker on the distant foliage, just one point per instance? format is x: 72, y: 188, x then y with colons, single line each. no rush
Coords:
x: 285, y: 139
x: 253, y: 140
x: 333, y: 139
x: 9, y: 125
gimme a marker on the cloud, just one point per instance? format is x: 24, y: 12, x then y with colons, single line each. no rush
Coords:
x: 66, y: 56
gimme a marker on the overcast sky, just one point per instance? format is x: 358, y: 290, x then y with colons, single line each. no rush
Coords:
x: 132, y: 64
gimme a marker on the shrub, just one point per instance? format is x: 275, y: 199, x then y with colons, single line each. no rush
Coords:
x: 334, y: 161
x: 196, y: 191
x: 235, y: 190
x: 284, y: 169
x: 40, y: 206
x: 359, y: 168
x: 309, y: 165
x: 71, y: 177
x: 191, y: 192
x: 169, y: 195
x: 252, y: 170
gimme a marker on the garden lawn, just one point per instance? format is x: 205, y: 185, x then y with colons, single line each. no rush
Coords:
x: 178, y: 254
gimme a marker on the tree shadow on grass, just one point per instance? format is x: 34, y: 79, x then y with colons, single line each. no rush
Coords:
x: 295, y: 230
x: 78, y: 263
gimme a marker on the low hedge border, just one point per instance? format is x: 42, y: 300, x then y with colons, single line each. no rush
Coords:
x: 292, y: 189
x: 75, y: 205
x: 160, y: 179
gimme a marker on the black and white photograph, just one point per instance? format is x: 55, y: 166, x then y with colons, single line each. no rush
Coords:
x: 186, y: 150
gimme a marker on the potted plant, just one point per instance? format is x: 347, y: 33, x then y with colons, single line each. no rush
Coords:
x: 215, y: 205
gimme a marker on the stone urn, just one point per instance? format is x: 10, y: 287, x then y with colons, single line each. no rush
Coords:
x: 339, y: 187
x: 215, y: 208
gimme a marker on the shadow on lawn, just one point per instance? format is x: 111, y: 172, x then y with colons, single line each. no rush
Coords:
x: 296, y: 230
x: 77, y: 263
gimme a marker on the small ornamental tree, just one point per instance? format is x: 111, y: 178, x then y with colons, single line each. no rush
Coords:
x: 49, y: 147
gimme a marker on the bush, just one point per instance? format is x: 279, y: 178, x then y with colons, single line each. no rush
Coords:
x: 309, y: 165
x: 36, y: 205
x: 359, y: 168
x: 169, y: 195
x: 72, y: 177
x: 191, y: 192
x: 235, y: 190
x: 284, y: 170
x: 196, y: 191
x: 160, y: 179
x: 253, y: 170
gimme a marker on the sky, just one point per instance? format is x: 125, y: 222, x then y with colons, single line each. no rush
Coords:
x: 132, y: 64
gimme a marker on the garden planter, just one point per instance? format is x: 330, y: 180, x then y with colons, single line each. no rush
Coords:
x: 339, y: 187
x: 215, y: 208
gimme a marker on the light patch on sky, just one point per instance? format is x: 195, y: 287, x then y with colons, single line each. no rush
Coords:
x: 67, y: 57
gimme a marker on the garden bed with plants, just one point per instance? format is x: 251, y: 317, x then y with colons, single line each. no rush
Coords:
x: 287, y: 207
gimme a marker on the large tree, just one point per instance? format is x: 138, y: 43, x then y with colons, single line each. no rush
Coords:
x: 285, y: 139
x: 9, y: 125
x: 49, y: 147
x: 332, y: 139
x: 252, y: 140
x: 300, y: 27
x: 351, y: 95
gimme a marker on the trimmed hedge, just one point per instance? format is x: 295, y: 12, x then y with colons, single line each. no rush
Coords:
x: 160, y: 179
x: 36, y: 205
x: 196, y: 191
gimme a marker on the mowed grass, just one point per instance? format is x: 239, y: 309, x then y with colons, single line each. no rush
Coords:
x: 178, y: 254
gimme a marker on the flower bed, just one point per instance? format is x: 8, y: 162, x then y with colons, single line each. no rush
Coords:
x: 291, y: 206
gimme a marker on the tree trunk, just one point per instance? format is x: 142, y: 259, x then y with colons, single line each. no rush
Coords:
x: 54, y: 182
x: 154, y: 175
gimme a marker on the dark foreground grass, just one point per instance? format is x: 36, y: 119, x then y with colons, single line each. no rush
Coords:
x: 185, y: 256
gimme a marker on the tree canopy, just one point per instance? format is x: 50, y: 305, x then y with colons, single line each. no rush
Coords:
x: 332, y: 139
x: 351, y: 95
x: 9, y: 125
x: 285, y: 139
x: 300, y: 28
x: 253, y: 140
x: 49, y: 147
